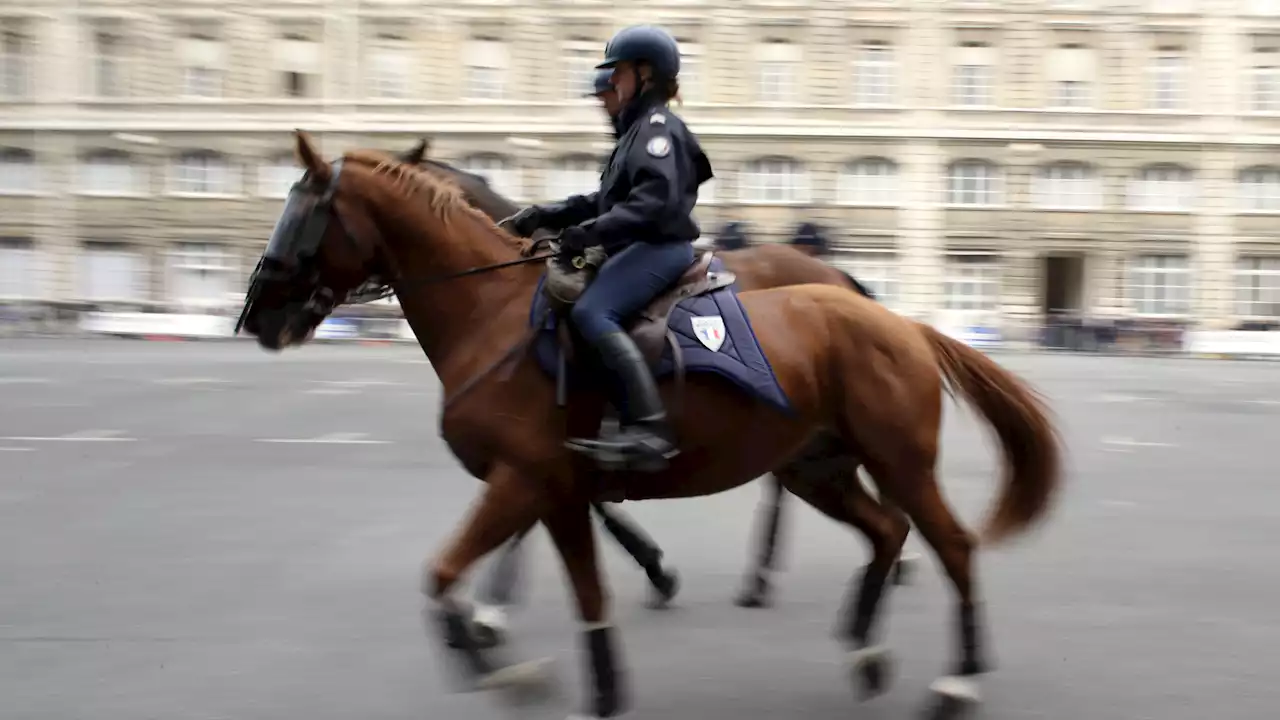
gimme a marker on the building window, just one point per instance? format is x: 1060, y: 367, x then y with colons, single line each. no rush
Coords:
x: 1259, y: 189
x: 973, y: 78
x: 202, y: 275
x: 777, y: 65
x: 111, y: 173
x: 1266, y: 8
x: 1162, y: 188
x: 1160, y: 285
x: 276, y: 178
x: 500, y: 173
x: 580, y: 60
x: 486, y: 70
x: 110, y: 59
x: 1072, y: 73
x: 691, y: 71
x: 973, y: 182
x: 203, y: 62
x: 869, y: 181
x: 876, y: 269
x: 578, y: 175
x: 15, y: 65
x: 389, y: 67
x: 774, y: 180
x: 110, y: 272
x: 1264, y: 75
x: 972, y: 281
x: 1167, y: 78
x: 708, y: 194
x: 874, y: 73
x: 1257, y: 281
x: 18, y: 174
x: 298, y: 64
x: 1067, y: 186
x: 204, y: 173
x: 19, y: 269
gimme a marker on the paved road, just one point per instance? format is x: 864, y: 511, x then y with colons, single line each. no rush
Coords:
x: 164, y: 555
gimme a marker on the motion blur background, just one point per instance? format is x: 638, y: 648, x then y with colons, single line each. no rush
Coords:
x: 1088, y: 174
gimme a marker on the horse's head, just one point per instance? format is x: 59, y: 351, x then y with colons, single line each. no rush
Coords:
x: 325, y: 250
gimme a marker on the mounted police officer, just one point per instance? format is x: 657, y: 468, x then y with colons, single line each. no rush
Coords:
x: 811, y: 239
x: 733, y: 236
x: 642, y: 218
x: 602, y: 90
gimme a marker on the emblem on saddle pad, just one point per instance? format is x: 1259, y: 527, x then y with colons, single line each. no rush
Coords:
x: 709, y: 331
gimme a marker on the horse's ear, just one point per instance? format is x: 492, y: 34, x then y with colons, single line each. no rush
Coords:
x: 308, y: 157
x: 416, y: 154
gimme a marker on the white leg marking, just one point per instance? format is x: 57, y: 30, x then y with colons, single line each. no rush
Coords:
x: 861, y: 656
x: 524, y: 674
x: 490, y: 616
x: 957, y: 688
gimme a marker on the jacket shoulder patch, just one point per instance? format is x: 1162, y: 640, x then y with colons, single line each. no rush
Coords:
x: 657, y: 119
x: 658, y: 146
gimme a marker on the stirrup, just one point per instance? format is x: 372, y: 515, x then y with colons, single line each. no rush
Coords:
x: 634, y: 449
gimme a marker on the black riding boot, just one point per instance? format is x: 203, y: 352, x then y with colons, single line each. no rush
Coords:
x: 644, y: 441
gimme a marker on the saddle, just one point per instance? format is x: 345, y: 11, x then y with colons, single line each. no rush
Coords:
x: 648, y: 328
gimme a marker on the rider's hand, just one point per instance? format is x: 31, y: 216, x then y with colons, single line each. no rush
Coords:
x: 524, y: 223
x: 573, y: 240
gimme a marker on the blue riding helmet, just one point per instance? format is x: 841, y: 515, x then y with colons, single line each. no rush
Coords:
x: 601, y: 83
x: 647, y: 43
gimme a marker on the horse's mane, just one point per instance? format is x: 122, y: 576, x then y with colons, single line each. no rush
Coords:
x: 444, y: 197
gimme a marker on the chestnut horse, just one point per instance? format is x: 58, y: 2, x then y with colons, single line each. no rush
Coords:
x: 861, y: 382
x: 756, y: 267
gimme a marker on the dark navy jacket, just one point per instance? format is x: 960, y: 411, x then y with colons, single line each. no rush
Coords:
x: 649, y: 188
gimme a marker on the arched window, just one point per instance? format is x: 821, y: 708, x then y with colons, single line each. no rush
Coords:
x: 1162, y: 187
x: 774, y: 180
x: 1259, y: 189
x: 17, y: 171
x: 868, y: 181
x: 1067, y: 185
x: 204, y: 172
x: 501, y: 173
x: 974, y: 182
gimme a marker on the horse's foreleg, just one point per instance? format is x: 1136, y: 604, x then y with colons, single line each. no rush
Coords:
x: 506, y: 507
x: 646, y: 552
x: 574, y: 537
x: 497, y: 592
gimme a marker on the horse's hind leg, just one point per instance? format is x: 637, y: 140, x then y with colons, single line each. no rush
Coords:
x: 829, y: 483
x: 917, y: 492
x: 645, y: 551
x: 757, y: 591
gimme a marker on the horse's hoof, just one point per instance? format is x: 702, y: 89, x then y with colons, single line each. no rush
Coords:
x: 487, y: 637
x: 663, y: 589
x: 871, y: 669
x: 954, y: 696
x: 904, y: 569
x: 522, y: 683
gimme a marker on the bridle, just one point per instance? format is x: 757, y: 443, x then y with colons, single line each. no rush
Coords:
x: 296, y: 239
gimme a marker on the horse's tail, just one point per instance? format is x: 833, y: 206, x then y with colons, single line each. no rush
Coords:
x: 1031, y: 445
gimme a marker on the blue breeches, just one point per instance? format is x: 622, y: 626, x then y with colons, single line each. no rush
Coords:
x: 627, y: 283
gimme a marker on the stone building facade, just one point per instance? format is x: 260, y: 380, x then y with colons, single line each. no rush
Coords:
x: 987, y: 161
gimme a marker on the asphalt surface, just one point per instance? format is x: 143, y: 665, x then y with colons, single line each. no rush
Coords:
x: 162, y: 557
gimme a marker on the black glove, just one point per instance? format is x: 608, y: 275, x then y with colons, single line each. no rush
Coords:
x: 524, y: 223
x: 573, y: 240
